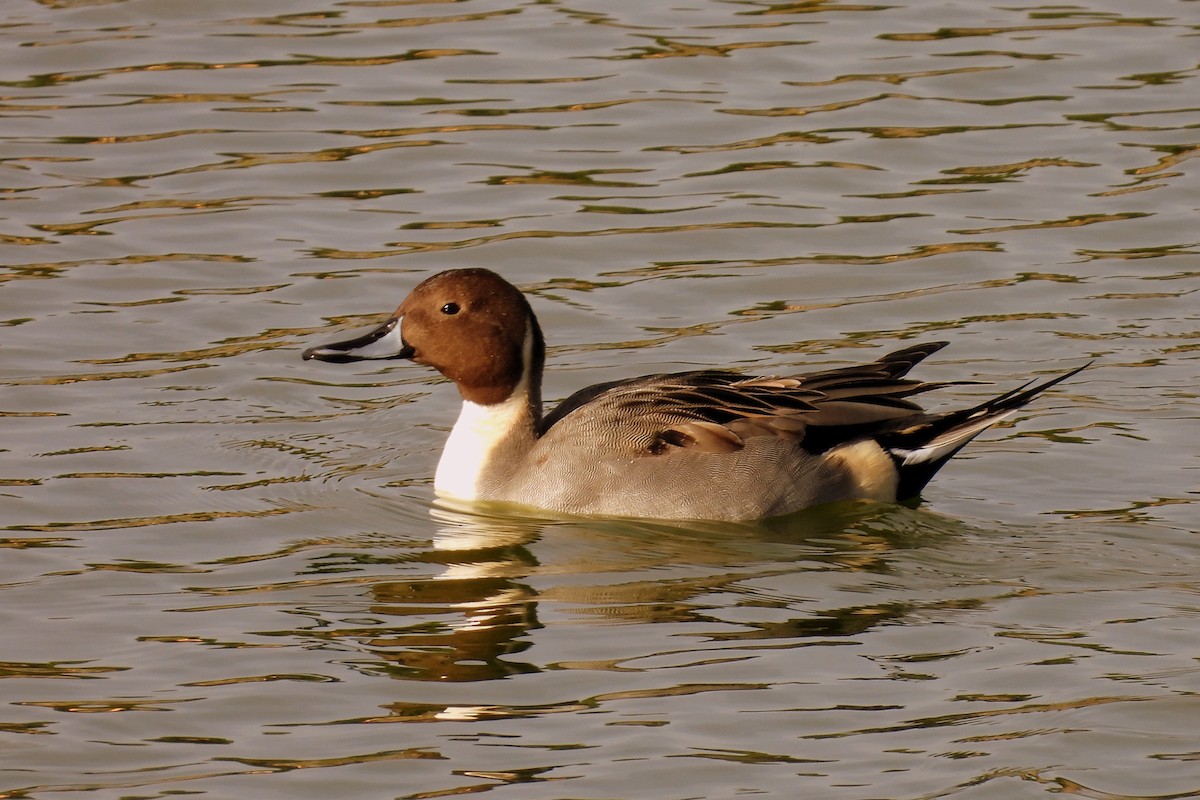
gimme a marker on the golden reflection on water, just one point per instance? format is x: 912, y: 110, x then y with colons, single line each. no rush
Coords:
x: 471, y: 619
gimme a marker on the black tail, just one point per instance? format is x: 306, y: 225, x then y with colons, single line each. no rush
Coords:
x: 922, y: 446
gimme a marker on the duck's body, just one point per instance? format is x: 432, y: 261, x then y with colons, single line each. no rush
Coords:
x: 692, y: 445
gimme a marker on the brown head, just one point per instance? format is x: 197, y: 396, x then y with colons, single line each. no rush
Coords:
x: 469, y: 324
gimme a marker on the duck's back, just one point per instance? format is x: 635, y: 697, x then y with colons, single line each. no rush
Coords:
x: 703, y: 445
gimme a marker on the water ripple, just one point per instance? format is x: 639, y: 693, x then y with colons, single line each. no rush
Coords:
x: 224, y: 568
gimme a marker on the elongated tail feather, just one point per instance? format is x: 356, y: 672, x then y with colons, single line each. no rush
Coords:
x: 923, y: 446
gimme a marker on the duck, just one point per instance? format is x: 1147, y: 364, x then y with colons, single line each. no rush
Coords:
x: 707, y: 444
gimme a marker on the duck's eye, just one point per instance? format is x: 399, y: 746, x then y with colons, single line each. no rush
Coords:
x: 450, y: 309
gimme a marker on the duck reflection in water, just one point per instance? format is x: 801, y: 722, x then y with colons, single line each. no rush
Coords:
x: 473, y: 618
x: 469, y: 618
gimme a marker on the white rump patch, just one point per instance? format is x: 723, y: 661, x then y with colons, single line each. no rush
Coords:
x: 871, y: 468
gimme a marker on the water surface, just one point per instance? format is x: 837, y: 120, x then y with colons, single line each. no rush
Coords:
x: 224, y: 572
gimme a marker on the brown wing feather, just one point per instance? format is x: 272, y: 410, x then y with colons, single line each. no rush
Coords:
x: 714, y: 411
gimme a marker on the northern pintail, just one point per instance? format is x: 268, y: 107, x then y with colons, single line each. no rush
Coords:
x: 708, y: 444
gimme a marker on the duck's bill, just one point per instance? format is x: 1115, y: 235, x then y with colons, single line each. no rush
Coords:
x: 382, y: 343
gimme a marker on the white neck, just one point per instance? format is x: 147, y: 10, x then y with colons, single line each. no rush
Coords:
x: 478, y: 434
x: 472, y: 461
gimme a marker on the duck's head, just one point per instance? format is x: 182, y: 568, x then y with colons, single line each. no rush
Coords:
x: 471, y: 325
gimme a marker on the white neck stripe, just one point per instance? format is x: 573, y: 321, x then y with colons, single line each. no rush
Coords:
x: 467, y: 466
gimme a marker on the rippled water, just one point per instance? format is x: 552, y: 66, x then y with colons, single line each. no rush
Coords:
x: 223, y: 574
